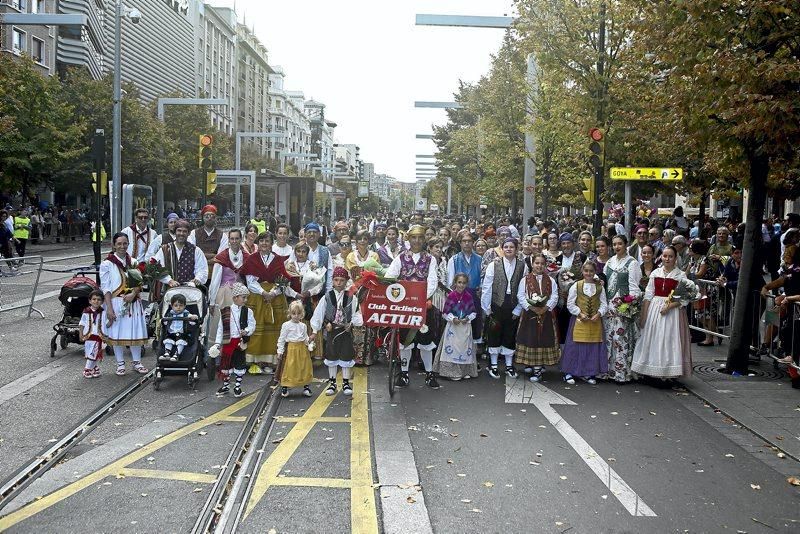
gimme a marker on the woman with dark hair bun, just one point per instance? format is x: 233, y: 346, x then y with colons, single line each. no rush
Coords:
x: 124, y: 324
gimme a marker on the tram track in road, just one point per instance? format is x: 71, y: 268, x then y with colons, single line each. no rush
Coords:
x: 228, y: 496
x: 52, y: 455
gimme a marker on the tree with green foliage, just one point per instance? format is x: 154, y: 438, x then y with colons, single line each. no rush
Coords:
x: 38, y: 130
x: 730, y: 74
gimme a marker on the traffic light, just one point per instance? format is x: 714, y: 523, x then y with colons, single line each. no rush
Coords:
x: 205, y: 159
x: 103, y: 182
x: 211, y: 182
x: 596, y: 148
x: 588, y: 193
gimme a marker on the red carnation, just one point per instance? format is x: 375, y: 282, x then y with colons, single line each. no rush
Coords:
x: 142, y: 267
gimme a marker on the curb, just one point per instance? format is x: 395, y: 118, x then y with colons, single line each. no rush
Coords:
x: 745, y: 417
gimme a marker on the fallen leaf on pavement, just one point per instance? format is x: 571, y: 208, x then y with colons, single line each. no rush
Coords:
x: 453, y: 435
x: 277, y: 440
x: 410, y: 500
x: 449, y: 461
x: 203, y: 433
x: 755, y: 486
x: 414, y: 428
x: 779, y: 438
x: 475, y: 510
x: 562, y: 477
x: 488, y: 484
x: 559, y: 523
x: 614, y: 413
x: 508, y: 430
x: 652, y: 413
x: 781, y: 455
x: 484, y: 435
x: 794, y: 481
x: 454, y: 420
x: 612, y: 459
x: 534, y: 463
x: 604, y: 496
x: 429, y: 466
x: 144, y: 495
x: 460, y: 475
x: 466, y: 501
x: 729, y: 455
x: 197, y: 490
x: 433, y: 438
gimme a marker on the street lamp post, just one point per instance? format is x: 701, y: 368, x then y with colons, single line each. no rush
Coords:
x: 116, y: 156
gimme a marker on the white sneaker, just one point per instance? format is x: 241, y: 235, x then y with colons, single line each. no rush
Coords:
x: 569, y: 380
x: 528, y: 370
x: 268, y: 370
x: 591, y: 381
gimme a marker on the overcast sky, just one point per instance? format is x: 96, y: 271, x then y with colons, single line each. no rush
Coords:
x: 368, y: 62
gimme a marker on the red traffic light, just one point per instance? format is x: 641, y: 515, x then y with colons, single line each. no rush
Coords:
x: 596, y: 134
x: 206, y: 140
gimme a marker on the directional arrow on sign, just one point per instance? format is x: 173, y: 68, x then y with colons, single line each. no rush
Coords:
x: 521, y: 391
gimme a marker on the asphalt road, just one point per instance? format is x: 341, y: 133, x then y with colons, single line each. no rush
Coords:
x: 480, y: 455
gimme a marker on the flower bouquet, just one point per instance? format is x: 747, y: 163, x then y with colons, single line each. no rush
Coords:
x: 281, y: 283
x: 152, y: 272
x: 313, y: 280
x: 627, y: 306
x: 537, y: 301
x: 686, y: 291
x: 133, y: 280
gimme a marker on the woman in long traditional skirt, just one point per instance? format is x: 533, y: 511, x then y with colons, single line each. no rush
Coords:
x: 537, y: 340
x: 455, y: 356
x: 125, y: 325
x: 664, y: 347
x: 585, y: 352
x: 363, y: 337
x: 268, y: 301
x: 623, y: 274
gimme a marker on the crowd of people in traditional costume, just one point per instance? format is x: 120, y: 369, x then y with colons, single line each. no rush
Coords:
x: 557, y: 301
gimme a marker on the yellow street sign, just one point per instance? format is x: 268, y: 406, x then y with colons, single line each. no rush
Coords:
x: 647, y: 173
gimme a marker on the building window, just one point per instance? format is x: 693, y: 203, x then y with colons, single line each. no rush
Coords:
x: 18, y: 41
x: 38, y: 6
x: 20, y: 5
x: 38, y: 51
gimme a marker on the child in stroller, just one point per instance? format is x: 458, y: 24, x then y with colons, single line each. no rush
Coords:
x: 176, y: 334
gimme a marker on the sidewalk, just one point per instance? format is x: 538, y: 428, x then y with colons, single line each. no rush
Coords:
x: 765, y: 403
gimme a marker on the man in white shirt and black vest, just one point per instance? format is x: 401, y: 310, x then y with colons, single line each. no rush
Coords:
x: 185, y: 262
x: 210, y: 239
x: 140, y: 236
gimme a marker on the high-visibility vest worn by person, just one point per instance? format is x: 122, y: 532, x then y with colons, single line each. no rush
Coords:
x: 22, y: 227
x: 261, y: 225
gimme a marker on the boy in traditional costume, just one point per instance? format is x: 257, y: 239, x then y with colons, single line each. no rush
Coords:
x: 236, y: 326
x: 337, y: 313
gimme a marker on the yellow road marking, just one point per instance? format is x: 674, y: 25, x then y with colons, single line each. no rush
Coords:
x: 318, y: 420
x: 170, y: 475
x: 363, y: 514
x: 274, y: 464
x: 363, y: 511
x: 117, y: 466
x: 313, y: 482
x: 235, y: 419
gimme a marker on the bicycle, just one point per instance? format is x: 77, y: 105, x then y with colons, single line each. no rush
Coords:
x: 390, y: 348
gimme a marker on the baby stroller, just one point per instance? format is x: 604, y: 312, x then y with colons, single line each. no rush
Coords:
x: 190, y: 362
x: 74, y: 296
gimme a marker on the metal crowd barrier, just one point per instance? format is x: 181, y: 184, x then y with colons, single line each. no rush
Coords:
x: 714, y: 314
x: 778, y: 329
x: 20, y: 276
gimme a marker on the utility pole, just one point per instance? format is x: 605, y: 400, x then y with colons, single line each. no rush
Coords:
x: 529, y: 180
x: 601, y: 119
x: 99, y: 157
